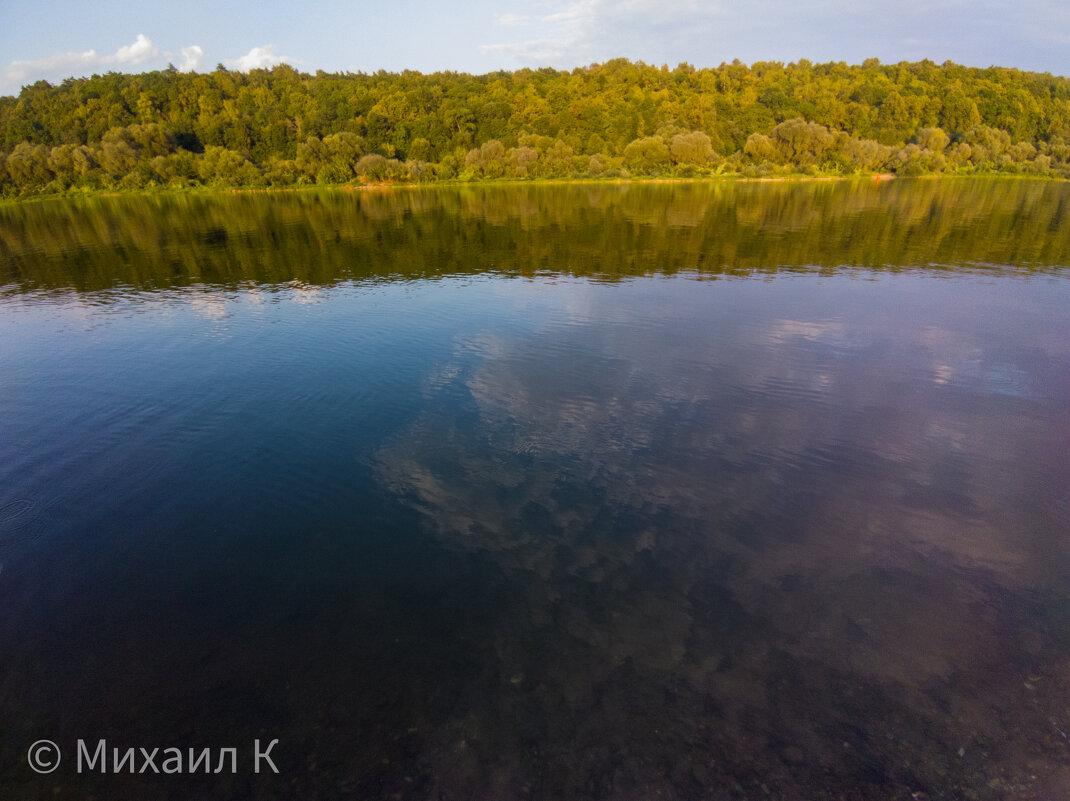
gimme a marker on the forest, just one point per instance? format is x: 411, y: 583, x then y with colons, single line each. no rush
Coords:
x: 617, y: 120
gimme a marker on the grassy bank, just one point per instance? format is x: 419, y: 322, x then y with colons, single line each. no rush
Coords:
x: 383, y: 186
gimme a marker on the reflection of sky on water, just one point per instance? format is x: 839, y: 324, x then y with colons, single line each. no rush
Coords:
x: 706, y: 381
x: 663, y: 459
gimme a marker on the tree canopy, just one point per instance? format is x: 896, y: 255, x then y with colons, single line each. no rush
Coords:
x: 280, y: 127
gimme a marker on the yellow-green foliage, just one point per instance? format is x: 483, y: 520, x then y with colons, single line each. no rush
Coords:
x: 279, y: 126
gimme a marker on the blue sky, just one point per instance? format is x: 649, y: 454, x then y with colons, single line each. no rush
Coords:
x: 53, y: 39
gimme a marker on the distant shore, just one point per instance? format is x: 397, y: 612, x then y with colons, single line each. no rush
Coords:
x: 512, y: 182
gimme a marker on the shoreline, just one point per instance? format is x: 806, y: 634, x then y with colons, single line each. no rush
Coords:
x: 388, y: 186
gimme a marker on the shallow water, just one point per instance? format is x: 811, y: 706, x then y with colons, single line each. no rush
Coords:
x: 562, y: 492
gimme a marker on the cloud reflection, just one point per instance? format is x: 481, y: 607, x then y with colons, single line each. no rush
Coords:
x: 709, y: 502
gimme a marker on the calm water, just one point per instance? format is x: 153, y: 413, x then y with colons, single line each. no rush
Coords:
x: 679, y: 492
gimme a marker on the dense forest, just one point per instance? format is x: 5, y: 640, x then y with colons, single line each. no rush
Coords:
x: 619, y: 119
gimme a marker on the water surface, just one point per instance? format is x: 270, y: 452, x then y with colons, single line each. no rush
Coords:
x: 731, y: 491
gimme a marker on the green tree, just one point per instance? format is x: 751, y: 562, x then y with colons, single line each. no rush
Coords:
x: 519, y: 161
x: 760, y: 148
x: 488, y: 159
x: 692, y: 148
x: 647, y: 155
x: 372, y: 167
x: 802, y: 143
x: 933, y: 139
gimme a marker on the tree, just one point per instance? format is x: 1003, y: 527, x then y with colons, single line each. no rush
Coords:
x: 372, y: 167
x: 915, y: 160
x: 557, y: 162
x: 864, y: 155
x: 760, y: 148
x: 488, y: 159
x: 27, y: 165
x: 519, y: 161
x: 420, y: 149
x: 692, y: 148
x: 802, y: 143
x: 647, y: 155
x: 933, y: 139
x: 224, y: 167
x: 118, y: 152
x: 293, y: 126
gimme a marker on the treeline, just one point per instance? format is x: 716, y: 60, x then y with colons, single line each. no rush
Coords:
x: 280, y: 127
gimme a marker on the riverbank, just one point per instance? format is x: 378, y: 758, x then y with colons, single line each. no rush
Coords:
x: 381, y: 186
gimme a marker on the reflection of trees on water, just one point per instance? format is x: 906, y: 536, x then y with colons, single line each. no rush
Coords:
x: 325, y: 237
x: 764, y: 546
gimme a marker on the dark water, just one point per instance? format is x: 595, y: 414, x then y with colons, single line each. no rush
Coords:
x: 677, y: 492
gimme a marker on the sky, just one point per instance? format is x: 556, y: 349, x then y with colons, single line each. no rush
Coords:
x: 55, y: 39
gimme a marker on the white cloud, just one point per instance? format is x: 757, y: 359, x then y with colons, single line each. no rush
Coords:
x: 539, y: 51
x: 510, y: 20
x: 580, y: 31
x: 581, y: 12
x: 141, y: 50
x: 61, y: 65
x: 192, y: 57
x: 564, y: 33
x: 566, y: 36
x: 258, y: 58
